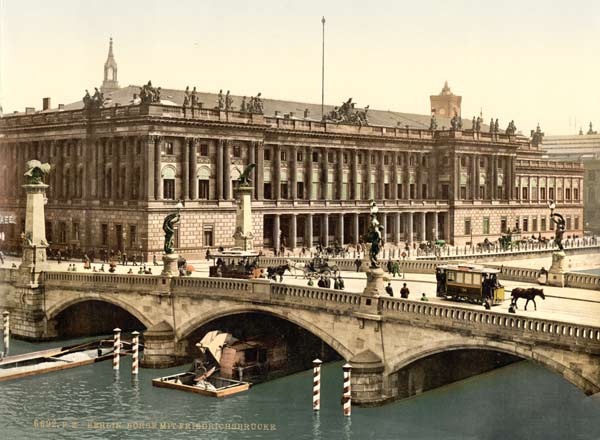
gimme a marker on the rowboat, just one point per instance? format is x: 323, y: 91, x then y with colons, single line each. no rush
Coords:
x: 54, y: 359
x: 209, y: 386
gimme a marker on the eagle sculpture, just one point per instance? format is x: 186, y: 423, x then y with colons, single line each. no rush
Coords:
x: 244, y: 179
x: 36, y: 171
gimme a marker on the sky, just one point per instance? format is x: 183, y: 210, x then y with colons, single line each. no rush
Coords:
x: 529, y: 61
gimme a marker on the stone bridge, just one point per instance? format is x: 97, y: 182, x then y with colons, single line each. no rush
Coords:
x: 392, y: 343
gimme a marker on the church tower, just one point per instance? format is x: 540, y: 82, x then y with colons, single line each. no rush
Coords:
x: 110, y: 82
x: 446, y: 104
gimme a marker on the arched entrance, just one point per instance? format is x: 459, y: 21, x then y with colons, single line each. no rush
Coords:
x: 90, y: 318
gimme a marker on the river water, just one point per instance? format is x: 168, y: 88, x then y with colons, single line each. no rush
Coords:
x: 521, y: 401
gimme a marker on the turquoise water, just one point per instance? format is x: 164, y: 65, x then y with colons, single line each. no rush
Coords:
x: 521, y: 401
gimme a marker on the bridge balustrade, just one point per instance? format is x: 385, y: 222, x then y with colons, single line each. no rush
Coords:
x: 536, y: 329
x: 99, y: 279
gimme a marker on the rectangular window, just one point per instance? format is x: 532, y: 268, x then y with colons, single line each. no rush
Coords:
x: 386, y: 159
x: 104, y: 234
x: 299, y: 156
x: 400, y: 193
x: 576, y: 222
x: 267, y: 154
x: 207, y: 236
x: 542, y: 193
x: 482, y: 192
x: 463, y: 192
x: 482, y: 162
x: 284, y: 190
x: 576, y: 195
x: 567, y: 193
x: 463, y: 161
x: 203, y: 189
x: 503, y: 224
x: 300, y: 189
x: 412, y: 191
x: 386, y: 191
x: 486, y: 225
x: 467, y: 226
x: 283, y: 155
x: 534, y: 225
x: 359, y: 157
x: 568, y: 223
x: 551, y: 193
x: 267, y: 191
x: 132, y: 236
x: 315, y: 156
x: 525, y: 194
x: 204, y: 150
x: 445, y: 191
x: 345, y: 157
x: 373, y: 159
x: 168, y: 149
x: 330, y: 157
x: 237, y: 151
x: 543, y: 224
x: 169, y: 189
x: 76, y: 231
x: 500, y: 192
x: 62, y: 232
x: 424, y: 191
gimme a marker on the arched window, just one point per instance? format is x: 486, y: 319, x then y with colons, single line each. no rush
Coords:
x: 168, y: 175
x: 203, y: 183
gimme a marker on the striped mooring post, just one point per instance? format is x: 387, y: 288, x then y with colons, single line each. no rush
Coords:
x: 347, y: 398
x: 134, y: 353
x: 317, y: 384
x: 117, y: 348
x: 6, y: 331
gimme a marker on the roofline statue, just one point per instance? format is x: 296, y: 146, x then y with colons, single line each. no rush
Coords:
x: 36, y: 171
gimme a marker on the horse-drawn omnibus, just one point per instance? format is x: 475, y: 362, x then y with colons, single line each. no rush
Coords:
x: 464, y: 282
x: 235, y: 263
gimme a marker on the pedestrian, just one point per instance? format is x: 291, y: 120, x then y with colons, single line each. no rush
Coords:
x: 404, y: 292
x: 1, y: 257
x: 58, y: 256
x: 102, y: 268
x: 389, y: 289
x: 154, y: 262
x: 207, y: 256
x: 396, y: 268
x: 341, y: 282
x: 424, y: 297
x: 390, y: 266
x: 336, y: 285
x: 311, y: 283
x: 321, y: 282
x: 357, y: 263
x: 130, y: 271
x: 124, y: 259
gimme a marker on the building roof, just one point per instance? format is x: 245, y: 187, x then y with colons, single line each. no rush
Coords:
x: 572, y: 146
x: 388, y: 118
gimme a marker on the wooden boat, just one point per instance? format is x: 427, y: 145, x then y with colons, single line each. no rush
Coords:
x: 217, y: 386
x: 54, y: 359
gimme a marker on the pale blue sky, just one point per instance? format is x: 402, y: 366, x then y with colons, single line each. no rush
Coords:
x: 523, y: 60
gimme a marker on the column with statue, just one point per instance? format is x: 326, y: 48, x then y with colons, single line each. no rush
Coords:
x: 170, y: 257
x: 558, y: 269
x: 374, y: 243
x: 243, y: 236
x: 34, y: 236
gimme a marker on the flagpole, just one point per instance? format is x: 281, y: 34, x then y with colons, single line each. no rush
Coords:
x: 323, y: 73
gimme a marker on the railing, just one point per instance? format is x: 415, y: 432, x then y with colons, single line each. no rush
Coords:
x: 212, y: 284
x: 551, y: 331
x: 94, y: 279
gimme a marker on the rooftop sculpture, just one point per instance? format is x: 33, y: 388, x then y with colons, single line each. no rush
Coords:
x: 149, y: 94
x: 346, y: 114
x: 93, y: 102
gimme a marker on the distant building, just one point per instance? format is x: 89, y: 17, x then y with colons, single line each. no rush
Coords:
x: 446, y: 104
x: 581, y: 148
x: 118, y: 170
x: 110, y: 83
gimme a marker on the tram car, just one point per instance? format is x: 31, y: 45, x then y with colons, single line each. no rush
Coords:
x: 471, y: 283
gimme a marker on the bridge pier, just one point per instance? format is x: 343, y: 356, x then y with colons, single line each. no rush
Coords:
x: 160, y: 348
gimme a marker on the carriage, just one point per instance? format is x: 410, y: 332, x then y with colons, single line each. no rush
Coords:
x: 234, y: 263
x: 471, y: 283
x: 318, y: 266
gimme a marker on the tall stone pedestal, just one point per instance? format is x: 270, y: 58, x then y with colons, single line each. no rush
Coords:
x: 243, y: 236
x: 170, y: 265
x: 375, y: 285
x: 558, y: 270
x: 34, y: 238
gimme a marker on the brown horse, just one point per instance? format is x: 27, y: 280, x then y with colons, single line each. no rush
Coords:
x: 528, y: 294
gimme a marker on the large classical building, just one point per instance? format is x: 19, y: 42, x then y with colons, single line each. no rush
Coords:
x: 584, y: 148
x: 118, y: 170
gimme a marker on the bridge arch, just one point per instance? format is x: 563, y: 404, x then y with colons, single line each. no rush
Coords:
x: 547, y: 359
x: 54, y: 310
x: 187, y: 328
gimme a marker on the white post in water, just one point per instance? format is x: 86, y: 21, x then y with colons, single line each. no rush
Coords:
x: 134, y: 353
x: 347, y: 398
x: 117, y: 349
x: 317, y: 384
x: 6, y: 331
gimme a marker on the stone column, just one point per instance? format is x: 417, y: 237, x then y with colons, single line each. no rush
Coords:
x: 354, y: 195
x: 293, y: 230
x: 493, y: 173
x: 368, y: 175
x: 356, y: 228
x: 340, y: 176
x: 340, y: 229
x: 219, y: 177
x: 130, y: 144
x: 456, y: 177
x: 276, y: 172
x: 276, y: 232
x: 409, y: 225
x: 325, y: 174
x: 394, y: 177
x: 147, y: 168
x: 325, y: 230
x: 381, y: 189
x: 194, y: 144
x: 309, y: 174
x: 397, y: 230
x: 158, y: 193
x: 227, y: 170
x: 510, y: 180
x: 116, y: 164
x: 423, y: 226
x: 259, y: 171
x: 86, y: 158
x: 185, y: 169
x: 252, y: 159
x: 308, y: 233
x: 293, y: 174
x: 476, y: 173
x: 406, y: 179
x: 100, y: 168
